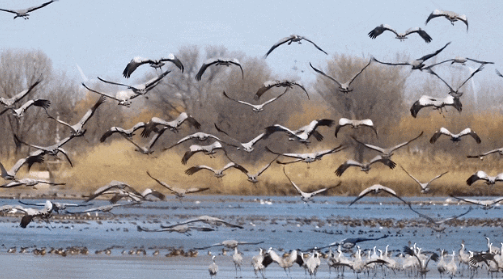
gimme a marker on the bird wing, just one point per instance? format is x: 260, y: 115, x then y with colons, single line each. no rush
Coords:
x: 302, y: 87
x: 469, y: 131
x: 370, y: 146
x: 472, y: 201
x: 411, y: 175
x: 430, y: 71
x: 349, y: 163
x: 428, y: 56
x: 66, y: 156
x: 486, y: 153
x: 421, y: 33
x: 476, y: 176
x: 293, y: 184
x: 205, y: 65
x: 161, y: 183
x: 266, y: 166
x: 154, y: 81
x: 385, y: 161
x: 361, y: 71
x: 133, y: 64
x: 234, y: 165
x: 271, y: 100
x: 91, y: 111
x: 114, y: 83
x: 9, y: 11
x: 280, y: 42
x: 173, y: 59
x: 405, y: 143
x: 277, y: 128
x: 498, y: 73
x: 236, y: 62
x: 380, y: 29
x: 196, y: 190
x: 23, y: 93
x: 194, y: 169
x: 473, y: 73
x: 315, y: 45
x: 103, y: 94
x: 392, y: 64
x: 154, y: 193
x: 480, y: 62
x: 31, y: 9
x: 434, y: 14
x: 266, y: 86
x: 437, y: 177
x: 442, y: 131
x: 463, y: 19
x: 323, y: 74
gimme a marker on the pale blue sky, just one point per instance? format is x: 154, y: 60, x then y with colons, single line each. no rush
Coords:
x: 102, y: 36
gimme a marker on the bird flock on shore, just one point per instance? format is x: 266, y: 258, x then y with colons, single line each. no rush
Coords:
x: 412, y: 257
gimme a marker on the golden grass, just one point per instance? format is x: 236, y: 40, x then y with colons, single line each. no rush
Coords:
x: 117, y: 160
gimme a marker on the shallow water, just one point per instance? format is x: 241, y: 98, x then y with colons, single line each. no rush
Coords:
x: 286, y: 223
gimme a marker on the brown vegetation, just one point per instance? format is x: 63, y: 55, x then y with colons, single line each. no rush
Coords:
x: 378, y: 93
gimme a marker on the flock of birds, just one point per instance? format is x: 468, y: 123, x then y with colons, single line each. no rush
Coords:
x: 156, y: 126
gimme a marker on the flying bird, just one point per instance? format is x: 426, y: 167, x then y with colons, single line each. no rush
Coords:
x: 206, y: 149
x: 10, y: 102
x: 343, y: 87
x: 481, y: 175
x: 199, y: 136
x: 425, y: 187
x: 437, y: 223
x: 302, y: 134
x: 179, y: 192
x: 218, y: 173
x: 210, y: 220
x: 110, y: 187
x: 306, y: 157
x: 31, y: 213
x: 455, y: 137
x: 451, y: 16
x: 376, y: 189
x: 436, y: 103
x: 253, y: 178
x: 143, y: 88
x: 486, y: 204
x: 255, y: 108
x: 138, y: 61
x: 231, y: 244
x: 291, y: 39
x: 56, y: 206
x: 29, y: 160
x: 481, y: 156
x: 218, y: 62
x: 77, y: 129
x: 459, y: 60
x: 400, y: 36
x: 122, y: 131
x: 19, y: 112
x: 52, y: 150
x: 185, y: 229
x: 278, y: 83
x: 29, y: 182
x: 172, y: 125
x: 387, y: 152
x: 120, y: 194
x: 365, y: 167
x: 24, y: 13
x: 307, y: 197
x: 417, y: 64
x: 355, y: 124
x: 452, y: 92
x: 123, y: 98
x: 147, y: 149
x: 247, y: 146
